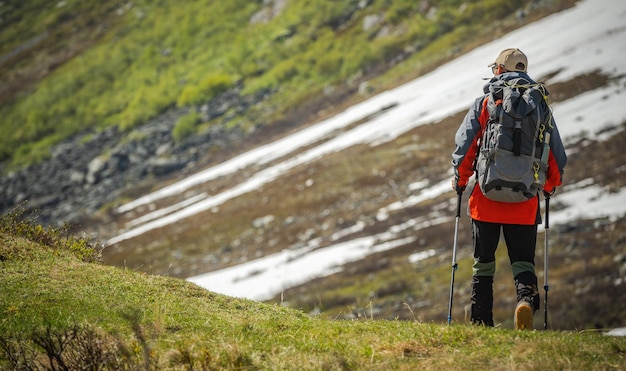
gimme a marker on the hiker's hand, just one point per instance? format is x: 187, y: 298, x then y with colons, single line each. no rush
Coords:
x: 458, y: 187
x: 548, y: 193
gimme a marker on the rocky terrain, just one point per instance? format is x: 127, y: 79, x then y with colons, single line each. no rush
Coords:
x: 96, y: 167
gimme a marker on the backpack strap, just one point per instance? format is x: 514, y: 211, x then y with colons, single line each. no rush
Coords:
x: 517, y: 138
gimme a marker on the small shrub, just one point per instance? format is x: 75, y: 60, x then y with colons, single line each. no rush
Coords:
x: 285, y: 70
x: 329, y: 65
x: 216, y: 84
x: 185, y: 126
x: 205, y: 90
x: 15, y: 224
x: 266, y: 82
x: 75, y: 348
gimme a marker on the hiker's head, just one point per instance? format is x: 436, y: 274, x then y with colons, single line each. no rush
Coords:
x: 510, y: 60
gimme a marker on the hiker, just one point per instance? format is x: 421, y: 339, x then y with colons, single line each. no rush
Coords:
x: 518, y: 219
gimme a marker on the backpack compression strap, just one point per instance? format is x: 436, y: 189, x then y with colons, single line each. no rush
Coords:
x: 517, y: 138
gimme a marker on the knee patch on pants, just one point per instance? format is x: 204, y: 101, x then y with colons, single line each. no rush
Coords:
x: 521, y: 267
x: 484, y: 269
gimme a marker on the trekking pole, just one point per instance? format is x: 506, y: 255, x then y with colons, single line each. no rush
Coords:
x: 545, y: 262
x: 454, y: 264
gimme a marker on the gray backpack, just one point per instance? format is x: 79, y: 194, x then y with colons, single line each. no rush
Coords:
x: 513, y: 155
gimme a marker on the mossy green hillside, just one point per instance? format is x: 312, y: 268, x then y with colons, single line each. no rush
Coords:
x: 71, y: 66
x: 153, y: 322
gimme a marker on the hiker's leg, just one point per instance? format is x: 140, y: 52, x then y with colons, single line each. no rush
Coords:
x: 521, y: 241
x: 485, y: 237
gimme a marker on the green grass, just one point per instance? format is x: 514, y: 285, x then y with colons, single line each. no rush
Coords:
x: 56, y: 297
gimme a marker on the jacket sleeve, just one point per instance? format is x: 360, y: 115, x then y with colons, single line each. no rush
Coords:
x: 556, y: 161
x: 467, y: 141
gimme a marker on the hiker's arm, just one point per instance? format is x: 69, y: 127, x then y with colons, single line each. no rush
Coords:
x: 466, y: 141
x: 556, y: 161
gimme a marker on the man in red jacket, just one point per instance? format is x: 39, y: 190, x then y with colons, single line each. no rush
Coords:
x: 518, y: 221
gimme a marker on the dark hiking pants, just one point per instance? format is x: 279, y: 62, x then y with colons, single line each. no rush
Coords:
x: 521, y: 241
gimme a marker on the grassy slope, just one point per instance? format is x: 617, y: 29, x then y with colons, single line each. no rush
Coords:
x: 181, y: 325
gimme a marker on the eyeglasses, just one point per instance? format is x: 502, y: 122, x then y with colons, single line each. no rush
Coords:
x: 494, y: 68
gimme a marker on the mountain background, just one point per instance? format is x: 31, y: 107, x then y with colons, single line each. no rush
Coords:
x: 102, y: 104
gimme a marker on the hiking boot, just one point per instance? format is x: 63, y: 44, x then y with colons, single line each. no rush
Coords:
x: 482, y: 300
x: 524, y: 316
x: 526, y: 287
